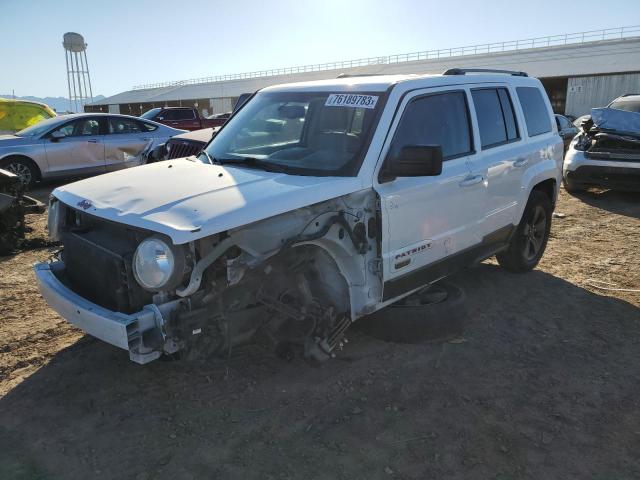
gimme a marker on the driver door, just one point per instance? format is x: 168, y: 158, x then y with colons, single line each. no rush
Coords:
x: 79, y: 151
x: 429, y: 222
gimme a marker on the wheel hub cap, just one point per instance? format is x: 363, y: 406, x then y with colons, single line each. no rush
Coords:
x: 22, y: 171
x: 534, y: 233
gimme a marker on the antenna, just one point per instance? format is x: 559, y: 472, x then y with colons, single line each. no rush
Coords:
x: 75, y: 50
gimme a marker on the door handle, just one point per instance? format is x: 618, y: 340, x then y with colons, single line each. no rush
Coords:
x: 93, y: 140
x: 521, y: 162
x: 145, y: 139
x: 467, y: 182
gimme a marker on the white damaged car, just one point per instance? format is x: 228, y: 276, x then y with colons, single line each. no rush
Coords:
x: 315, y: 205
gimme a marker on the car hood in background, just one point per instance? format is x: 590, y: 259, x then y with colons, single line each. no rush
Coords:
x: 203, y: 135
x: 188, y: 200
x: 14, y: 141
x: 620, y: 121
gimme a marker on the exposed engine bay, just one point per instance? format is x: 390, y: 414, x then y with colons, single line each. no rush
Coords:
x: 300, y: 278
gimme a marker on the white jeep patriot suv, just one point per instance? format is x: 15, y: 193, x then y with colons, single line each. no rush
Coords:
x: 315, y: 205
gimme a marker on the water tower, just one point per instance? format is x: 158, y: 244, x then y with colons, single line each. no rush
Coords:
x: 78, y: 79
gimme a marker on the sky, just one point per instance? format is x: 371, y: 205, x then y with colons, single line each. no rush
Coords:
x: 148, y: 41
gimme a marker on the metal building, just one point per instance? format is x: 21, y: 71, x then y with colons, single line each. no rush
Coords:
x: 78, y: 79
x: 579, y: 71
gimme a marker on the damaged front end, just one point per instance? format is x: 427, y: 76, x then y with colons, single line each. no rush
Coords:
x: 607, y: 151
x: 299, y: 278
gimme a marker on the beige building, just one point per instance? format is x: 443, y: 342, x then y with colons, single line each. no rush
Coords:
x: 579, y: 71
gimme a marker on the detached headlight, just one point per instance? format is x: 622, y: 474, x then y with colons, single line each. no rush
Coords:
x: 53, y: 220
x: 158, y: 265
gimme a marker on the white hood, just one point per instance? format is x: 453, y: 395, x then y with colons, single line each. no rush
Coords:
x: 188, y: 200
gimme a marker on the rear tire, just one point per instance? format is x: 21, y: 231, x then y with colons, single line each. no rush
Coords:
x: 25, y: 169
x: 529, y: 241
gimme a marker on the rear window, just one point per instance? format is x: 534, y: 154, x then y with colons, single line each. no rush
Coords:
x: 535, y: 111
x: 151, y: 113
x: 496, y: 120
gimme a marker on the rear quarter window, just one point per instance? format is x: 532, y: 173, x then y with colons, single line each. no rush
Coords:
x: 535, y: 111
x: 149, y: 127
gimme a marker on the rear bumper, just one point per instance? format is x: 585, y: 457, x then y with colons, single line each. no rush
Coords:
x: 124, y: 331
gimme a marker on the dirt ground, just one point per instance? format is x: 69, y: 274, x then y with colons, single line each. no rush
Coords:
x: 544, y: 384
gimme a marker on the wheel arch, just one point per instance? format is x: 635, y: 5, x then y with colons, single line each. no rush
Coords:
x: 346, y: 266
x: 549, y: 187
x: 4, y: 160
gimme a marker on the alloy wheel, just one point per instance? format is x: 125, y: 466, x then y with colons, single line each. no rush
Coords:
x: 22, y: 171
x: 534, y: 232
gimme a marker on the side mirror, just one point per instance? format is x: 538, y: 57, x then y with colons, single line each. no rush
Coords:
x: 57, y: 135
x: 160, y: 118
x: 414, y: 161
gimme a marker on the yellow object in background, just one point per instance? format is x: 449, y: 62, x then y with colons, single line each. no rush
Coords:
x: 18, y: 114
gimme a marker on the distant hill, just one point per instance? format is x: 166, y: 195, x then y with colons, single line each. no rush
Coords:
x: 59, y: 104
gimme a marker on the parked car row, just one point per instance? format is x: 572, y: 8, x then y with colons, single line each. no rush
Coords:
x: 80, y: 144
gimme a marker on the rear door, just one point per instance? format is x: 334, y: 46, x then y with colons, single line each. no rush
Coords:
x: 429, y: 220
x: 502, y: 158
x: 80, y: 151
x: 125, y: 142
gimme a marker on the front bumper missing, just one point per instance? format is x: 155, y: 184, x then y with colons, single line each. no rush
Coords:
x: 121, y: 330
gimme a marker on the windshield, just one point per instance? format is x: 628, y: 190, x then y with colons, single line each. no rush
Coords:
x: 628, y: 105
x: 40, y: 127
x: 302, y: 133
x: 150, y: 114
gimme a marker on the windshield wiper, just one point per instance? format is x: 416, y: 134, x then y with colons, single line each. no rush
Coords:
x: 253, y: 162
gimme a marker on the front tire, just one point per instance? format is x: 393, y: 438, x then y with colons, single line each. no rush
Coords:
x: 530, y: 238
x: 570, y: 187
x: 23, y: 168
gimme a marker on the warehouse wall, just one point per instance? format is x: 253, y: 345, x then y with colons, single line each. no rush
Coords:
x: 592, y: 58
x: 585, y: 93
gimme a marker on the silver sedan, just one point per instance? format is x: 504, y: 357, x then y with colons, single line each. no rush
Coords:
x: 80, y: 144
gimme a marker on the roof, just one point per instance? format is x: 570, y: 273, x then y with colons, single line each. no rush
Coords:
x: 370, y: 83
x: 374, y: 83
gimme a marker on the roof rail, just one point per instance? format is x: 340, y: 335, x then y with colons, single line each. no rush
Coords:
x: 464, y: 71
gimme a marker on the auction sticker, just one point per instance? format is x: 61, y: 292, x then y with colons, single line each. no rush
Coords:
x: 351, y: 100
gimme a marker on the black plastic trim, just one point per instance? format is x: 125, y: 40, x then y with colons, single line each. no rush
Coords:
x: 490, y: 245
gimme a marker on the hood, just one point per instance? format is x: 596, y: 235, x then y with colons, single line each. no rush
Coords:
x: 620, y: 121
x: 187, y: 200
x: 13, y: 141
x: 203, y: 135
